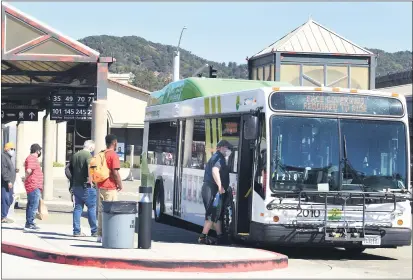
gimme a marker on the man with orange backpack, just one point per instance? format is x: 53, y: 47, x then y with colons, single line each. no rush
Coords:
x: 104, y: 171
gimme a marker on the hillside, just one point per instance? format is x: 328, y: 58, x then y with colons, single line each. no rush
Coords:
x: 151, y: 63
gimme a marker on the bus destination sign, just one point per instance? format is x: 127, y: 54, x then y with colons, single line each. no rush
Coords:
x: 336, y: 103
x: 71, y: 105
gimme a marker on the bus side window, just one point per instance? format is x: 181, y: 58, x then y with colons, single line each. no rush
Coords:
x: 194, y: 144
x: 229, y: 129
x: 261, y: 177
x: 162, y: 143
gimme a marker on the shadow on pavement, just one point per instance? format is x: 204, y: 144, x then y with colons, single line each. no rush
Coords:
x: 163, y: 232
x: 98, y: 246
x: 40, y: 232
x: 72, y: 239
x: 324, y: 254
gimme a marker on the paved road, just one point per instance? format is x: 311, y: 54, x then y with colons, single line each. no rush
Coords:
x: 129, y: 192
x: 303, y: 263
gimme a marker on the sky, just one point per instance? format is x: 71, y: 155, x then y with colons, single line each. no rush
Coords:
x: 228, y: 31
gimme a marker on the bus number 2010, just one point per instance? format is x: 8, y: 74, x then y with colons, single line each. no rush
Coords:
x: 309, y: 213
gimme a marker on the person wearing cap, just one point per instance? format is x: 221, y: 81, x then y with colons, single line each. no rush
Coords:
x: 34, y: 185
x: 8, y: 176
x: 216, y: 179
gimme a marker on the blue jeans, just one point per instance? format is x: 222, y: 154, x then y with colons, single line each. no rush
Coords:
x: 6, y: 200
x: 33, y: 200
x: 84, y: 196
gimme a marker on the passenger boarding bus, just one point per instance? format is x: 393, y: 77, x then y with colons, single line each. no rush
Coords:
x: 310, y: 166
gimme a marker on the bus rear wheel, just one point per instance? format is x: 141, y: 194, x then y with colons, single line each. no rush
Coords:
x: 158, y: 202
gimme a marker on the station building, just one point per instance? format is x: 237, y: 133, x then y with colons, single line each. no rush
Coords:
x: 313, y: 55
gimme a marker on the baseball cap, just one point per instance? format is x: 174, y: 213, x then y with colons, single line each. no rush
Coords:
x: 9, y: 145
x: 35, y: 148
x: 224, y: 143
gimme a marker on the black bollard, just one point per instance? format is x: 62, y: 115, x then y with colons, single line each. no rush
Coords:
x: 145, y: 218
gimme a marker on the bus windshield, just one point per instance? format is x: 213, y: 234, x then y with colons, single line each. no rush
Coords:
x: 306, y: 154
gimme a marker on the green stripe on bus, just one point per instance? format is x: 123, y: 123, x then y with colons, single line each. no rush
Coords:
x: 207, y: 130
x: 219, y: 119
x: 214, y: 123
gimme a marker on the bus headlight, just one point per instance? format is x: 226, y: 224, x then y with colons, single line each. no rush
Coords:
x: 275, y: 219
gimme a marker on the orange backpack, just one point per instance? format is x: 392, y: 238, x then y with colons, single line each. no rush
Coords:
x: 98, y: 168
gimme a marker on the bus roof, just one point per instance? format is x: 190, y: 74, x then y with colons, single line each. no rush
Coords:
x: 203, y: 87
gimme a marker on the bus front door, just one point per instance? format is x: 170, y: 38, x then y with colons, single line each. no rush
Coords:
x: 244, y: 192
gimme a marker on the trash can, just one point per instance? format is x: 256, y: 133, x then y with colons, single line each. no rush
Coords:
x: 118, y: 224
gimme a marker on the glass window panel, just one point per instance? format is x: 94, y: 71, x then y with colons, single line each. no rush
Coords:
x: 267, y: 73
x: 315, y: 72
x: 290, y: 74
x: 162, y: 143
x: 194, y: 144
x: 359, y: 77
x: 272, y: 72
x: 337, y: 76
x: 260, y: 73
x: 254, y: 74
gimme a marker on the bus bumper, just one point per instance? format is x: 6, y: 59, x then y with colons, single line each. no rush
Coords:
x: 281, y: 235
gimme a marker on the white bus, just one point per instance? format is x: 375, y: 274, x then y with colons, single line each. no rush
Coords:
x: 335, y: 174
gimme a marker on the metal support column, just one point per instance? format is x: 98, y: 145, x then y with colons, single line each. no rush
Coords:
x: 277, y: 66
x: 99, y: 108
x: 20, y: 152
x: 100, y: 112
x: 372, y: 72
x: 49, y: 133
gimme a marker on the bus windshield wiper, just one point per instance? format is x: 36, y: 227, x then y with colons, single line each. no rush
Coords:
x: 348, y: 166
x: 277, y: 160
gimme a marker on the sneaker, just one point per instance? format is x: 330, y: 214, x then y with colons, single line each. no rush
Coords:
x: 99, y: 239
x: 205, y: 240
x: 7, y: 221
x: 31, y: 228
x: 80, y: 234
x: 94, y: 234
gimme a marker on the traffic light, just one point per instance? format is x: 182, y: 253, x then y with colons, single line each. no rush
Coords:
x: 212, y: 72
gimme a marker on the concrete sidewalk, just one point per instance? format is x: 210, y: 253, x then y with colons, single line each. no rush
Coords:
x: 172, y: 250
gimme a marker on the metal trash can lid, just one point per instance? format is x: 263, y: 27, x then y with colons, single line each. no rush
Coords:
x: 119, y: 207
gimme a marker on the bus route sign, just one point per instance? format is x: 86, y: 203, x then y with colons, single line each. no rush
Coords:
x: 336, y: 103
x: 68, y: 105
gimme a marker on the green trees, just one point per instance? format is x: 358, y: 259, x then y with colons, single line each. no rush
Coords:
x: 152, y: 62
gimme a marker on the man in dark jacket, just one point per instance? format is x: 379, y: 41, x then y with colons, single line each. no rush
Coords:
x: 8, y: 176
x: 216, y: 180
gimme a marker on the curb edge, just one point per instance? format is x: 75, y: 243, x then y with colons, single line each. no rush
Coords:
x: 279, y: 261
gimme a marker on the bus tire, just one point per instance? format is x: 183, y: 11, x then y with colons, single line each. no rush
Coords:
x: 354, y: 252
x: 159, y: 201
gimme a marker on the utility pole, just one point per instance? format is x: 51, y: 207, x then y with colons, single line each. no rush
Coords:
x: 177, y: 58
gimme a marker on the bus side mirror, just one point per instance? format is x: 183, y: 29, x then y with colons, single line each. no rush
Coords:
x: 250, y: 127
